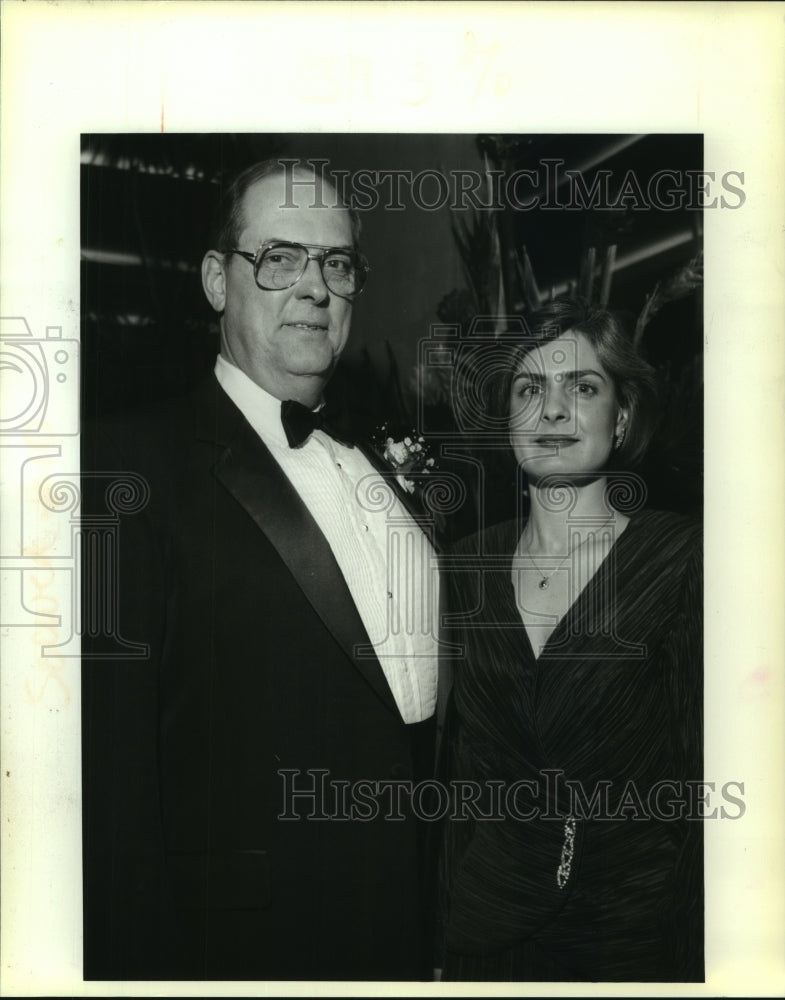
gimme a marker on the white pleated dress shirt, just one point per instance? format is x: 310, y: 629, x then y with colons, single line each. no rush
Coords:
x: 388, y: 563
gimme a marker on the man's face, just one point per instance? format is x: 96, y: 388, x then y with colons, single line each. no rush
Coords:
x: 288, y: 341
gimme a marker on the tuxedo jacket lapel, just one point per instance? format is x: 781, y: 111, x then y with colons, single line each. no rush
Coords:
x: 246, y: 468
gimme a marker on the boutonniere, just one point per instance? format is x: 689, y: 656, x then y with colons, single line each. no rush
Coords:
x: 408, y: 456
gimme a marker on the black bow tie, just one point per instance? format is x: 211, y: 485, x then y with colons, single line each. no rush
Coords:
x: 299, y: 423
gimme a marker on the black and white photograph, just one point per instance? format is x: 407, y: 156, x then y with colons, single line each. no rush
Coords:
x: 271, y: 598
x: 377, y: 474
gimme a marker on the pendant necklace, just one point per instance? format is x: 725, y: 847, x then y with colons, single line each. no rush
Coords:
x: 546, y: 577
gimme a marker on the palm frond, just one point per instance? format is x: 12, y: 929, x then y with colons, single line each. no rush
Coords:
x: 678, y: 286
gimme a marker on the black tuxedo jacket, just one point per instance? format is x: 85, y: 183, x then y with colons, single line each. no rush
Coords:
x: 251, y: 671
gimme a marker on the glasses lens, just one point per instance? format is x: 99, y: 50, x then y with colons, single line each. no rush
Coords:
x: 343, y: 272
x: 281, y: 265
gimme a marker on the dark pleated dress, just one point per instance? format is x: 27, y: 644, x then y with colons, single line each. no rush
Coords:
x: 602, y: 730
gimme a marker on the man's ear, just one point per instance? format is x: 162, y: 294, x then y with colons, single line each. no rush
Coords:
x: 214, y: 279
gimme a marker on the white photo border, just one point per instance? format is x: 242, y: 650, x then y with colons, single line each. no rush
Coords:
x: 717, y: 68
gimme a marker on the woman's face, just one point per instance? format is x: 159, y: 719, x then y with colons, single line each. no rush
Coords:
x: 564, y: 414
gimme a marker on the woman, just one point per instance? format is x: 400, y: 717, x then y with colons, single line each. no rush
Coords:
x: 576, y: 703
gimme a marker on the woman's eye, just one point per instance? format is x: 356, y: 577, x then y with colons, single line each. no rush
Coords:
x: 585, y: 389
x: 529, y: 389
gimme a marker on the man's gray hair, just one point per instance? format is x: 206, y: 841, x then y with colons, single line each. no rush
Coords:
x: 229, y: 220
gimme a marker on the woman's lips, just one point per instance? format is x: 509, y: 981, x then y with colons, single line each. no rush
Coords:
x: 545, y: 441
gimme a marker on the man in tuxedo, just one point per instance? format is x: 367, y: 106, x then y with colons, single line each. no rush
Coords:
x: 260, y: 575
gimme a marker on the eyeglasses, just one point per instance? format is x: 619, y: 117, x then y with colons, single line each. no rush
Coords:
x: 278, y: 265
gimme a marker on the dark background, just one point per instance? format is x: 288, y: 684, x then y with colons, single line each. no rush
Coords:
x: 148, y: 332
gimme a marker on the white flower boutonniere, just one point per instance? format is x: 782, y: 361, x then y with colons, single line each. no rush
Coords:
x: 406, y: 457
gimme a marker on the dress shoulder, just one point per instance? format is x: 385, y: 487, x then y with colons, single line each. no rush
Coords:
x: 659, y: 525
x: 661, y: 541
x: 653, y: 527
